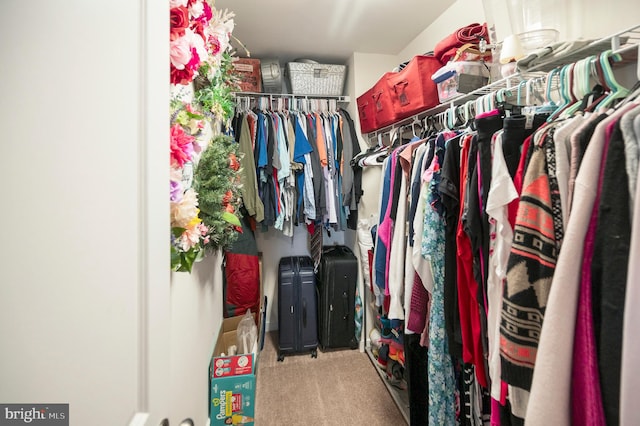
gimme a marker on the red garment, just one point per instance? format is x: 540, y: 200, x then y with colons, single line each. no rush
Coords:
x: 587, y: 407
x: 447, y: 47
x: 370, y: 256
x: 471, y: 328
x: 518, y: 180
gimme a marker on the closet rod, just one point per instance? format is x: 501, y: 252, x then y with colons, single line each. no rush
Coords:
x: 340, y: 98
x: 626, y: 43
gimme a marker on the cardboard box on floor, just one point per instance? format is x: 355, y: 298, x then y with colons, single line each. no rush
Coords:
x: 232, y: 390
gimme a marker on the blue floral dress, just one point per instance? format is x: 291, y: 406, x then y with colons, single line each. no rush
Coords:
x: 440, y: 368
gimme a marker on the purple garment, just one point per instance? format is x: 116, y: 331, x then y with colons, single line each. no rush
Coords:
x: 586, y: 398
x: 418, y: 314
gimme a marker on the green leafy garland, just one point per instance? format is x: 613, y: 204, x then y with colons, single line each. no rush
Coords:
x: 215, y: 95
x: 217, y: 182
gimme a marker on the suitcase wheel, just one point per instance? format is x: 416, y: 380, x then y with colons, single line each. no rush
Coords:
x: 314, y: 353
x: 280, y: 357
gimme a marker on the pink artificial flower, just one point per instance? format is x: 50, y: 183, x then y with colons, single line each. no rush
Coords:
x: 214, y: 45
x: 189, y: 238
x: 181, y: 145
x: 177, y: 3
x: 194, y: 63
x: 208, y: 13
x: 180, y: 52
x: 196, y: 42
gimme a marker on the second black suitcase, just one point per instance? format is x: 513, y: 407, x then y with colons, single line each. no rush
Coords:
x: 337, y: 280
x: 297, y: 307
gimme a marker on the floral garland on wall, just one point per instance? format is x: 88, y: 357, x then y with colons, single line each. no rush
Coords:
x: 204, y: 179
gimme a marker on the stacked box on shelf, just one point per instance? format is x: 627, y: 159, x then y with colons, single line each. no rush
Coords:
x: 412, y: 90
x: 375, y: 108
x: 398, y: 95
x: 316, y: 79
x: 249, y: 74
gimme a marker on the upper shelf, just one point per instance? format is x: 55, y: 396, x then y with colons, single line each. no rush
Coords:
x: 626, y: 43
x: 340, y: 98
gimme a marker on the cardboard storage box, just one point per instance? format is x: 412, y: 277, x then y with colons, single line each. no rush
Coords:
x: 248, y: 71
x: 233, y: 379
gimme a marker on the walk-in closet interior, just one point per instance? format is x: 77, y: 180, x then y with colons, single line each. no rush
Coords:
x: 381, y: 213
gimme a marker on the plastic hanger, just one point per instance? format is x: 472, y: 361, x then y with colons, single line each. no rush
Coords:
x: 522, y: 84
x: 564, y: 84
x: 617, y: 90
x: 602, y: 89
x: 581, y: 77
x: 415, y: 122
x: 468, y: 112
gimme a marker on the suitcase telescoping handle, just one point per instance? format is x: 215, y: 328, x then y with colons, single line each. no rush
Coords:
x: 345, y: 301
x: 304, y: 313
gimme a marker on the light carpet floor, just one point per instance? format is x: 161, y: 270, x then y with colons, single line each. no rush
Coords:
x: 340, y: 387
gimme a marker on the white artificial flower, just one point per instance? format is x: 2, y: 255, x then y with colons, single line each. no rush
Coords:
x: 196, y: 9
x: 196, y: 41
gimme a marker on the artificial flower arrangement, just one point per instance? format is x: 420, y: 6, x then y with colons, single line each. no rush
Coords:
x: 199, y: 35
x: 203, y: 203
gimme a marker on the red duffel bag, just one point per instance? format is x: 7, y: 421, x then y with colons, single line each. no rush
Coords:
x: 412, y: 90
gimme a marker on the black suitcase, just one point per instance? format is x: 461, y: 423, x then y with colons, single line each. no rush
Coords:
x: 337, y: 280
x: 297, y: 307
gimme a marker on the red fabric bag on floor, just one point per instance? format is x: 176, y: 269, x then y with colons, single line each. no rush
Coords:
x: 412, y: 90
x: 242, y: 284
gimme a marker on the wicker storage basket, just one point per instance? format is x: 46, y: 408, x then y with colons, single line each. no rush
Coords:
x: 316, y: 79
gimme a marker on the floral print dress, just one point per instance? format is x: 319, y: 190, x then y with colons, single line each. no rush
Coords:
x: 440, y: 367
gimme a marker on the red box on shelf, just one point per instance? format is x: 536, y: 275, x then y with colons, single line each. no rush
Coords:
x: 248, y: 72
x: 412, y: 90
x: 375, y: 108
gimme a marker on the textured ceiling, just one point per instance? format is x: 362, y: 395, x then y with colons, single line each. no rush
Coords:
x: 329, y: 31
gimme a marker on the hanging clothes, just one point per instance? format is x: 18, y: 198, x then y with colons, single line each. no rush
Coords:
x: 293, y: 166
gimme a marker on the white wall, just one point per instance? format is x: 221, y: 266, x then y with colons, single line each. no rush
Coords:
x: 82, y: 291
x: 196, y: 315
x: 366, y: 70
x: 603, y: 18
x: 459, y: 14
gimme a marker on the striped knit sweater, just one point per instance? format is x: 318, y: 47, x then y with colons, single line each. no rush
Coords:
x: 537, y: 234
